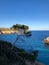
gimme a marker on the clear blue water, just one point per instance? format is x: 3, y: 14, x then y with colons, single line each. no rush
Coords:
x: 35, y: 42
x: 37, y: 39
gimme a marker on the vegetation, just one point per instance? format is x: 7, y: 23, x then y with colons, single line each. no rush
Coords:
x: 19, y: 26
x: 15, y: 56
x: 23, y: 27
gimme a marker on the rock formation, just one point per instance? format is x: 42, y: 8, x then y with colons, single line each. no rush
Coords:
x: 46, y: 40
x: 16, y: 56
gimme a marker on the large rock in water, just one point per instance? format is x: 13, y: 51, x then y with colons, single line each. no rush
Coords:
x: 46, y: 40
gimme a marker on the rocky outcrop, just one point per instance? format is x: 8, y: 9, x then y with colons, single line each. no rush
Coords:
x: 11, y: 55
x: 7, y: 31
x: 46, y: 40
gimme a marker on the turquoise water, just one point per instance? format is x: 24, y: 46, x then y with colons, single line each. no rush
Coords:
x: 43, y: 49
x: 35, y: 42
x: 38, y: 44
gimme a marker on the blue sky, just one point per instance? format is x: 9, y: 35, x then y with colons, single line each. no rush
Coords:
x: 34, y: 13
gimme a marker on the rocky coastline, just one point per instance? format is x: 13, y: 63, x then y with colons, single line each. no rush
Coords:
x: 11, y: 55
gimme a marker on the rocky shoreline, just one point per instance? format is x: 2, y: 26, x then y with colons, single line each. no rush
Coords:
x: 11, y: 55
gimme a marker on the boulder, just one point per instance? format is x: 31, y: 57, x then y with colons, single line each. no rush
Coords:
x: 46, y: 40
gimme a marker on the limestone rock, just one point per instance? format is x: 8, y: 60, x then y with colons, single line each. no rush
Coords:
x: 46, y: 40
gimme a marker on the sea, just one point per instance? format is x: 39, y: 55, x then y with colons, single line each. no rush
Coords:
x: 34, y: 42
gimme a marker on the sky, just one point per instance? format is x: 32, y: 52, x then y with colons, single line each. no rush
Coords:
x: 34, y: 13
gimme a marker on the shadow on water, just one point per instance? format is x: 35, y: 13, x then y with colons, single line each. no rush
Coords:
x: 47, y: 46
